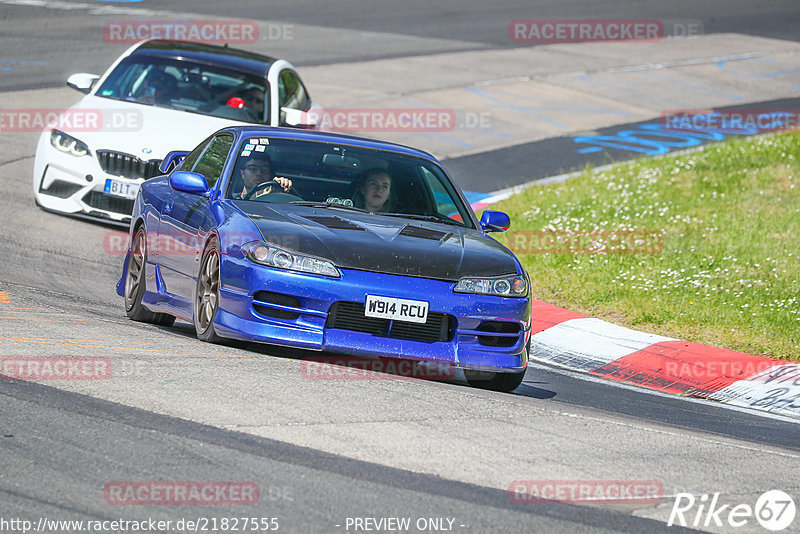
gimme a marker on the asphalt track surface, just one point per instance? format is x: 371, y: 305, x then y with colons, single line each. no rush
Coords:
x: 64, y: 40
x: 319, y: 451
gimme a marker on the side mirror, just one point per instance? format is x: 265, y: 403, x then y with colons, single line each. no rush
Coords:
x: 82, y: 81
x: 495, y: 221
x: 301, y: 119
x: 189, y: 182
x: 172, y: 160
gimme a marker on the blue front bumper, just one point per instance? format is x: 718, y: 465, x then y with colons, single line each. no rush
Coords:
x: 461, y: 345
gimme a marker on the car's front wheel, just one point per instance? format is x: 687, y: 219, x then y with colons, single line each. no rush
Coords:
x: 135, y: 282
x: 494, y: 381
x: 206, y: 299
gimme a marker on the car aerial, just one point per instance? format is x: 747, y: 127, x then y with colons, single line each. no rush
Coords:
x: 159, y: 95
x: 339, y: 244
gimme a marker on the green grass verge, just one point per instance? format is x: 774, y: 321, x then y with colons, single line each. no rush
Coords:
x: 728, y: 273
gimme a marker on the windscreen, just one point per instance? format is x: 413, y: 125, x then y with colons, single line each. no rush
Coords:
x: 378, y: 181
x: 188, y: 86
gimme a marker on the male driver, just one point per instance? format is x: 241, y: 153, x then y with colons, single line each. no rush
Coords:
x: 254, y: 101
x: 257, y: 170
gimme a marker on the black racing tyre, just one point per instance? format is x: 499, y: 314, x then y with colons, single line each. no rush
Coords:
x: 135, y: 281
x: 494, y: 381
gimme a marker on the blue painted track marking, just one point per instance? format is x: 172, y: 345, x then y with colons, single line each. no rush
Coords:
x: 474, y: 197
x: 703, y: 89
x: 772, y: 74
x: 640, y: 139
x: 527, y: 110
x: 626, y: 89
x: 447, y: 137
x: 562, y: 109
x: 5, y: 62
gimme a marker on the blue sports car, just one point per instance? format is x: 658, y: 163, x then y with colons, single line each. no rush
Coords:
x: 328, y: 242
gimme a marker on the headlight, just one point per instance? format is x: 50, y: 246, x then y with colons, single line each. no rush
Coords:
x: 514, y: 285
x: 67, y: 143
x: 273, y: 256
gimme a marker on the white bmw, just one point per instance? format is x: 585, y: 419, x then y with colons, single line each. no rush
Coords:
x: 157, y: 97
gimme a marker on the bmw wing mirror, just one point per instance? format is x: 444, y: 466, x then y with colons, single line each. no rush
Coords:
x: 82, y: 81
x: 189, y: 182
x: 495, y: 221
x: 172, y: 160
x: 298, y: 118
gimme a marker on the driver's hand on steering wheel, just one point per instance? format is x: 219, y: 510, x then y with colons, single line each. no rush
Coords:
x: 286, y: 183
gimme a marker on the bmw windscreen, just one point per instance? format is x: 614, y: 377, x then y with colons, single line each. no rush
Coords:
x: 188, y: 86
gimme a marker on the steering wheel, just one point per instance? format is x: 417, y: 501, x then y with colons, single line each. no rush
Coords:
x: 197, y: 92
x: 271, y: 183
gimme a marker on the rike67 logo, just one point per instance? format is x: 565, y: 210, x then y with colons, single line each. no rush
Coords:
x: 774, y: 510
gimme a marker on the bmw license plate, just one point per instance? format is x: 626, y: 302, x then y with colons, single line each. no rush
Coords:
x: 412, y: 311
x: 122, y: 189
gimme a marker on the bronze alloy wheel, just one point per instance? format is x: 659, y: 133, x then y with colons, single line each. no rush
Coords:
x: 135, y: 269
x: 136, y: 285
x: 207, y: 298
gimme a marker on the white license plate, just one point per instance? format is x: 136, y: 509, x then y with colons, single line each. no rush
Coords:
x: 121, y: 189
x: 412, y: 311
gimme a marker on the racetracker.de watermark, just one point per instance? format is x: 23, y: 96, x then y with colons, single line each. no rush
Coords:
x: 384, y: 119
x: 591, y: 30
x: 181, y: 493
x: 585, y: 242
x: 735, y: 369
x: 54, y: 368
x: 69, y: 120
x: 117, y: 243
x: 732, y: 121
x: 586, y: 491
x: 204, y: 31
x: 356, y: 368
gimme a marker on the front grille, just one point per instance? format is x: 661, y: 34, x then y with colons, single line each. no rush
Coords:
x: 499, y: 327
x: 127, y: 165
x: 101, y: 201
x: 350, y: 316
x: 275, y: 298
x: 434, y: 329
x: 60, y: 189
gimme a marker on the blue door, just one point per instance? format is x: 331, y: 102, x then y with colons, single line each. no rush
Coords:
x: 186, y: 220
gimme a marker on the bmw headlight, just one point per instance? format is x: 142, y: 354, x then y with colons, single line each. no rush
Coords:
x: 272, y: 256
x: 67, y: 143
x: 514, y: 285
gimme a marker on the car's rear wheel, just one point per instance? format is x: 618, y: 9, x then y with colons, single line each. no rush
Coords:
x: 135, y: 284
x: 494, y: 381
x: 206, y: 300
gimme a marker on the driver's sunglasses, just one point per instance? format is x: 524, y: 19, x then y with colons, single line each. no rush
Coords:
x: 257, y: 168
x: 254, y: 98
